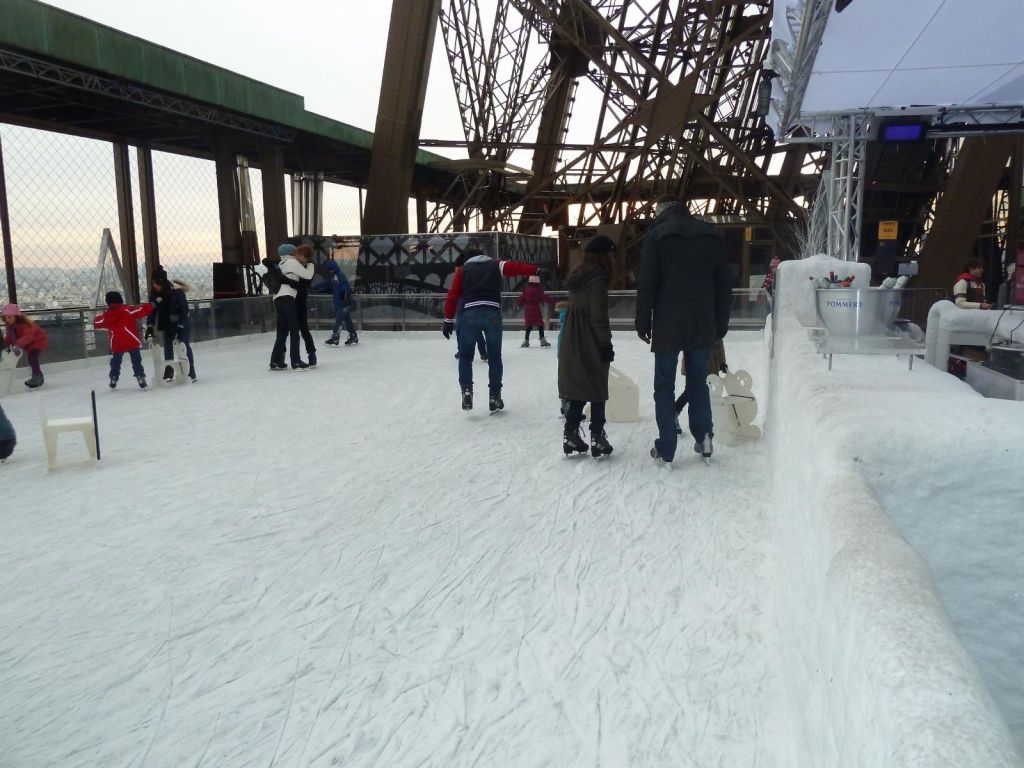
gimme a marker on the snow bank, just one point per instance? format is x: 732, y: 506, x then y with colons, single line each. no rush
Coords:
x: 948, y: 324
x: 875, y: 673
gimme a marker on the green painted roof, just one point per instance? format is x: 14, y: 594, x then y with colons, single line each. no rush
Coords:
x: 60, y: 36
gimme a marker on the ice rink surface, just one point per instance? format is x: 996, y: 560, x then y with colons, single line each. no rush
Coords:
x: 341, y: 568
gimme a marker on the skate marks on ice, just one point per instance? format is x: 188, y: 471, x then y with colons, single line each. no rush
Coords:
x: 435, y: 590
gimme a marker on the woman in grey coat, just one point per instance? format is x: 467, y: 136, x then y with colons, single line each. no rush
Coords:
x: 586, y: 349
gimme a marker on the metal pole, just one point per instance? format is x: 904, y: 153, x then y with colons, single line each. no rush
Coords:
x: 5, y: 231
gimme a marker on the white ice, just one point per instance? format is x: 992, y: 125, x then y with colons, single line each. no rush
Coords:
x: 340, y: 567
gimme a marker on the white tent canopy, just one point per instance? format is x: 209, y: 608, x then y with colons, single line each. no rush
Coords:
x: 880, y: 56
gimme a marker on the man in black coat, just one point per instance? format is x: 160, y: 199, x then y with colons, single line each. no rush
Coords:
x: 683, y: 299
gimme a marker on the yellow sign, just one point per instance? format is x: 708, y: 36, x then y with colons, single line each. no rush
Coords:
x: 888, y: 230
x: 748, y: 233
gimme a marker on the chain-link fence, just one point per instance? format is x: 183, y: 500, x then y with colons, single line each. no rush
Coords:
x: 340, y: 210
x: 61, y: 195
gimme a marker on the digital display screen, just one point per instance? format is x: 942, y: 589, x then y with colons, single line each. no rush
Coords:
x: 904, y: 131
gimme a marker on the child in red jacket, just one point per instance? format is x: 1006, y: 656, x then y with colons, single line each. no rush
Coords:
x: 120, y: 320
x: 28, y: 337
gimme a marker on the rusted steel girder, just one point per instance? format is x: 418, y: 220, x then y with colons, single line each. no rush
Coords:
x: 399, y: 115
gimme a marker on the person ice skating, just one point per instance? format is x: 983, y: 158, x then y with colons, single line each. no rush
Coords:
x: 682, y: 305
x: 341, y: 294
x: 27, y: 336
x: 295, y: 267
x: 969, y: 290
x: 478, y: 284
x: 301, y: 287
x: 716, y: 365
x: 121, y: 321
x: 585, y: 351
x: 8, y: 438
x: 562, y: 307
x: 170, y: 316
x: 530, y: 300
x: 480, y: 342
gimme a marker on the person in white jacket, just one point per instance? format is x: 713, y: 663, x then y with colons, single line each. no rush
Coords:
x: 296, y: 267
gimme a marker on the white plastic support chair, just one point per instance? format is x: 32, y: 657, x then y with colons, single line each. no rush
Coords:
x: 180, y: 361
x: 9, y: 360
x: 53, y: 428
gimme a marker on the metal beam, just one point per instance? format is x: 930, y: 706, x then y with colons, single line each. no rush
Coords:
x: 147, y: 202
x: 227, y: 204
x: 5, y: 232
x: 18, y: 63
x: 399, y: 115
x: 275, y: 208
x: 126, y: 218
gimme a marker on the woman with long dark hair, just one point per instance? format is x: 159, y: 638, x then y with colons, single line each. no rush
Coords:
x: 586, y: 353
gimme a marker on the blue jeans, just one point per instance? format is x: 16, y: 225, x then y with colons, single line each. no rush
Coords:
x: 115, y: 363
x: 458, y: 335
x: 184, y: 334
x: 342, y: 316
x: 476, y: 321
x: 699, y: 410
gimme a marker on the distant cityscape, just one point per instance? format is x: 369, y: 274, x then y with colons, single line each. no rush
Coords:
x: 57, y: 288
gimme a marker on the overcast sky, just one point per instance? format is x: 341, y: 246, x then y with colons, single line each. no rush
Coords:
x: 331, y: 53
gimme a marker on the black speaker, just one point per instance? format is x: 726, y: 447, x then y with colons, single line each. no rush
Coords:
x: 227, y: 281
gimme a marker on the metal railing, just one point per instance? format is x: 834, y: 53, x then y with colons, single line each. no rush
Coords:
x: 72, y: 337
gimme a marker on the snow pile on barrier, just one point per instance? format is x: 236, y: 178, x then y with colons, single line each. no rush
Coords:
x: 875, y: 674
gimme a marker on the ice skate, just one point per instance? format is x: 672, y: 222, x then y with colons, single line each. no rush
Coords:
x: 113, y: 382
x: 599, y: 445
x: 300, y: 366
x: 467, y: 399
x: 545, y: 343
x: 335, y: 340
x: 274, y: 366
x: 526, y: 343
x: 495, y: 403
x: 168, y: 373
x: 704, y: 448
x: 312, y: 359
x: 142, y: 381
x: 658, y: 457
x: 572, y: 441
x: 352, y: 339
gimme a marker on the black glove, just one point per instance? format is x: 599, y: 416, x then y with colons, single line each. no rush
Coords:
x: 149, y: 333
x: 645, y: 336
x: 543, y: 273
x: 607, y: 354
x: 446, y: 329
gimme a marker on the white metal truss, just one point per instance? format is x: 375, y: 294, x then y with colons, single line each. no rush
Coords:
x: 843, y: 185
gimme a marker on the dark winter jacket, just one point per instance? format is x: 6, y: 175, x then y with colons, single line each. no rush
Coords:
x: 341, y: 290
x: 27, y: 336
x: 170, y: 307
x: 120, y: 320
x: 6, y: 428
x: 586, y: 337
x: 684, y: 292
x: 530, y: 299
x: 478, y: 283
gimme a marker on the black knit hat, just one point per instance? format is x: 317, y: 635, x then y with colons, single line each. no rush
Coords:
x: 599, y: 244
x: 113, y: 297
x: 159, y: 275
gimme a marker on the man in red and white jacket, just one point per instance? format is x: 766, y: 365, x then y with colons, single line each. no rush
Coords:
x: 120, y: 321
x: 478, y: 285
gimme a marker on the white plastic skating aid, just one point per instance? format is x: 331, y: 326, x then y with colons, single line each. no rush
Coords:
x: 733, y: 406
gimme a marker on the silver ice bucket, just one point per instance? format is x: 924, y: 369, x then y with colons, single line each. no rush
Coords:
x: 858, y: 311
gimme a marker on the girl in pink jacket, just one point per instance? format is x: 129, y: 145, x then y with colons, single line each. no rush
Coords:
x: 530, y: 299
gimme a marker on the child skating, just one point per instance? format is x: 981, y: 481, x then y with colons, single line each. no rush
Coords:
x: 530, y: 300
x: 24, y: 334
x: 120, y: 321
